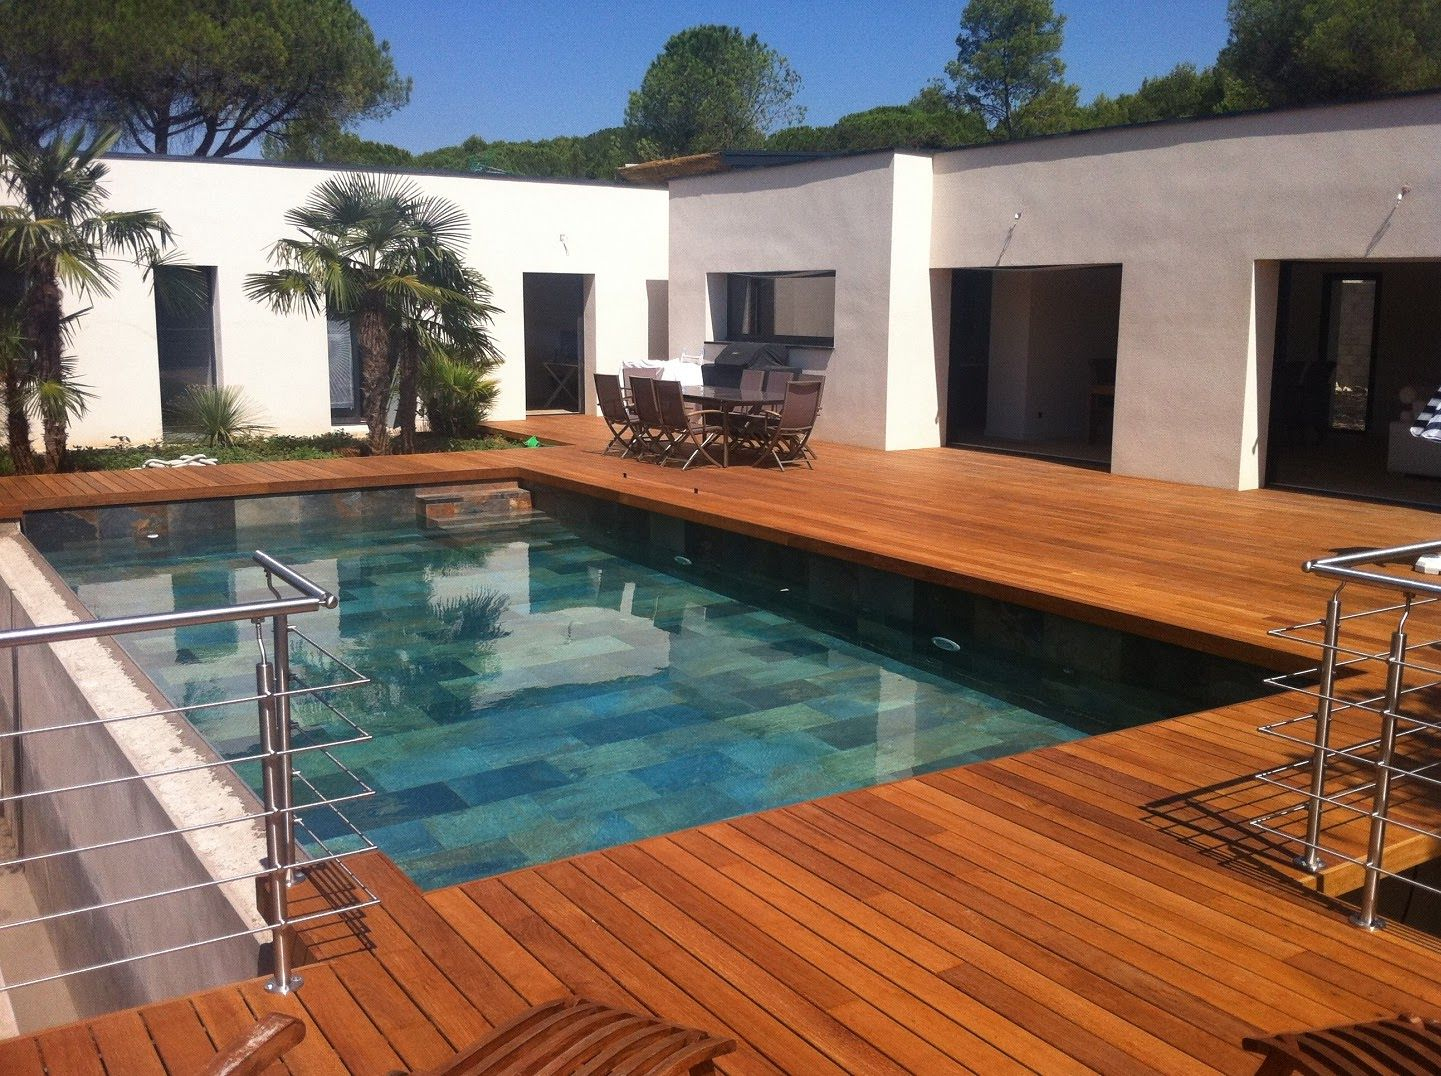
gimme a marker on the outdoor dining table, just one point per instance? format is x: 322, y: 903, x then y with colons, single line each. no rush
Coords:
x: 726, y: 400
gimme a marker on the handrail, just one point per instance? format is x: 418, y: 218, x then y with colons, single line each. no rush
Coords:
x: 1341, y: 567
x: 1310, y: 780
x: 315, y: 597
x: 280, y: 814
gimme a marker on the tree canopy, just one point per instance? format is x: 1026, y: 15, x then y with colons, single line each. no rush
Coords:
x: 205, y: 77
x: 712, y: 88
x: 1008, y: 67
x: 1297, y: 52
x: 1181, y: 93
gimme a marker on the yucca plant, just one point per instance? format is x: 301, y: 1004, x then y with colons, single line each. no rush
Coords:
x: 217, y: 414
x: 455, y: 396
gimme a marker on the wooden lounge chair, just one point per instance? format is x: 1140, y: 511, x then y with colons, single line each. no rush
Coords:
x: 783, y: 436
x: 565, y: 1037
x: 258, y: 1048
x: 679, y: 429
x: 1406, y: 1044
x: 621, y: 419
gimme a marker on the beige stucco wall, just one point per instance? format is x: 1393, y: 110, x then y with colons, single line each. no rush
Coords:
x: 1189, y: 210
x: 227, y: 214
x: 866, y: 218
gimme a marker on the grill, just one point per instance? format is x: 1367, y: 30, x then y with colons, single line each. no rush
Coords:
x: 725, y: 370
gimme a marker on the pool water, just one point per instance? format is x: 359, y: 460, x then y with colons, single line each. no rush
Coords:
x: 535, y: 697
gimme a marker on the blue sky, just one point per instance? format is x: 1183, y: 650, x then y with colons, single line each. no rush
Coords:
x: 510, y: 69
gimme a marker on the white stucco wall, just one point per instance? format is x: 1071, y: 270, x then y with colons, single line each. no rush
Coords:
x: 227, y: 214
x: 836, y: 215
x: 1189, y: 210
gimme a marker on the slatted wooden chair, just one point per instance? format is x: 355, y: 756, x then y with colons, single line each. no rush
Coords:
x: 573, y: 1036
x: 566, y: 1037
x: 258, y: 1048
x: 1406, y: 1044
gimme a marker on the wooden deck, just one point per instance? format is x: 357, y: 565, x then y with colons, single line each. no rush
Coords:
x: 1096, y: 906
x: 1082, y: 908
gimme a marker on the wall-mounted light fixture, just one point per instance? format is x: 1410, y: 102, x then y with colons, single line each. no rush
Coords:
x: 1405, y: 190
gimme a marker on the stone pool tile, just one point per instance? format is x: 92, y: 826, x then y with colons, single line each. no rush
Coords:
x: 689, y: 770
x: 465, y: 863
x: 501, y: 783
x: 767, y: 754
x: 799, y: 716
x: 597, y: 792
x: 390, y: 808
x: 405, y: 840
x: 559, y: 838
x: 484, y: 822
x: 787, y: 693
x: 637, y: 724
x: 586, y: 761
x: 692, y: 807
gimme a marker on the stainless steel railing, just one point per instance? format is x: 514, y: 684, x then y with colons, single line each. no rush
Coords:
x: 281, y: 814
x: 1385, y: 698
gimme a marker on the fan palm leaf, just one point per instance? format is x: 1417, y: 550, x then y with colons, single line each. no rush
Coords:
x: 57, y: 234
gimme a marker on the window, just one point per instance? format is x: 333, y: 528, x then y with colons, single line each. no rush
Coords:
x: 1350, y: 339
x: 184, y: 331
x: 346, y: 397
x: 788, y: 308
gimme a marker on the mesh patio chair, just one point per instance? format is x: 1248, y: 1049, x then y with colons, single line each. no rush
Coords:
x: 820, y: 404
x: 639, y: 373
x: 649, y: 441
x: 680, y: 428
x: 621, y: 419
x: 775, y: 379
x: 783, y: 435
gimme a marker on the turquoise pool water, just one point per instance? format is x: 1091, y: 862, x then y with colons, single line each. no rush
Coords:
x: 536, y: 696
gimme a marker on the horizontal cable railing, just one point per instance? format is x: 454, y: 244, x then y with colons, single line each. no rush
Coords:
x: 282, y: 738
x: 1387, y: 701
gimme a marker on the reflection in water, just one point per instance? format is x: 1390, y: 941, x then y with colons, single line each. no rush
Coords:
x: 535, y: 697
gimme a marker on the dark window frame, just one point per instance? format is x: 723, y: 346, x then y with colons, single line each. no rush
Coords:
x: 1328, y: 282
x: 737, y: 332
x: 354, y: 416
x: 170, y: 328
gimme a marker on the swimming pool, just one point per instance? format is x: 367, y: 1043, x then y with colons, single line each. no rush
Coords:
x: 538, y: 694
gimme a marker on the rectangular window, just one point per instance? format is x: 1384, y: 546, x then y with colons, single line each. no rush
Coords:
x: 184, y: 332
x: 1350, y: 340
x: 346, y: 398
x: 787, y: 308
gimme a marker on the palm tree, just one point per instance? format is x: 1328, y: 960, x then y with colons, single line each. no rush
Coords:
x: 378, y: 251
x: 57, y: 236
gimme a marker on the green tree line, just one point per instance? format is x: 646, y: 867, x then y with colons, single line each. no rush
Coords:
x: 215, y: 77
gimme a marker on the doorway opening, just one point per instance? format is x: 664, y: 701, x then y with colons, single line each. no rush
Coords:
x: 1356, y: 363
x: 554, y: 305
x: 1032, y: 366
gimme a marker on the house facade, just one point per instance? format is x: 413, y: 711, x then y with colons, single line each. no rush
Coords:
x: 1227, y: 301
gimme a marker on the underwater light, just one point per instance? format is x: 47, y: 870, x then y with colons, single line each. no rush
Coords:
x: 940, y: 642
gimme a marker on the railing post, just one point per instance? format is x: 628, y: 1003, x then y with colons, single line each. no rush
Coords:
x: 1309, y: 860
x: 1381, y: 803
x: 279, y: 848
x: 281, y: 643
